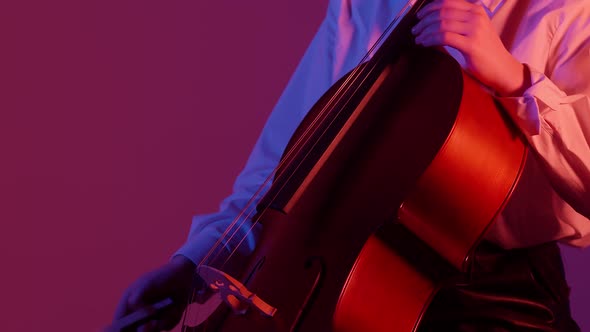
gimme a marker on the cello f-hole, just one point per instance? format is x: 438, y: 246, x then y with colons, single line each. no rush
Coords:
x: 312, y: 294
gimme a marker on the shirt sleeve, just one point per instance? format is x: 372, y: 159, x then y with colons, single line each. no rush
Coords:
x: 554, y: 113
x: 310, y: 80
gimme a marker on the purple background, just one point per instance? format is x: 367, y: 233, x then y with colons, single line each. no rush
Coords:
x: 119, y: 120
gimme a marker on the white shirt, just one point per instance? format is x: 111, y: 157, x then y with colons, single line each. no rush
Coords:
x: 552, y: 37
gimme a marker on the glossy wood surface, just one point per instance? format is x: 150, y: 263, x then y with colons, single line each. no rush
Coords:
x: 469, y: 180
x: 328, y: 258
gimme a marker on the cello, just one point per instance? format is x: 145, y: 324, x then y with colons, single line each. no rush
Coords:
x: 380, y: 198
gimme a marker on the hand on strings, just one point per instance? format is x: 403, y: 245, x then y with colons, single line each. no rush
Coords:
x: 465, y: 26
x: 173, y: 280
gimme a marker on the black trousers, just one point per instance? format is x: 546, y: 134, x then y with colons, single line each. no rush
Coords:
x: 505, y: 290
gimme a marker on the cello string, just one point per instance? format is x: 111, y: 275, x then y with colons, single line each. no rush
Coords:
x: 297, y: 146
x: 403, y: 11
x: 364, y: 77
x: 336, y: 98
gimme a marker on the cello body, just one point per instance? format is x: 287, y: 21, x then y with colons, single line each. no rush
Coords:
x: 379, y: 202
x: 381, y: 197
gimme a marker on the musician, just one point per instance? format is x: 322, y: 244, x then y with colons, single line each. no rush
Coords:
x: 534, y: 57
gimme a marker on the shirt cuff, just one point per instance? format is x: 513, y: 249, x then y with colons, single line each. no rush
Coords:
x: 527, y: 110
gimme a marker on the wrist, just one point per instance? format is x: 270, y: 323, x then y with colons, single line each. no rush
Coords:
x: 516, y: 80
